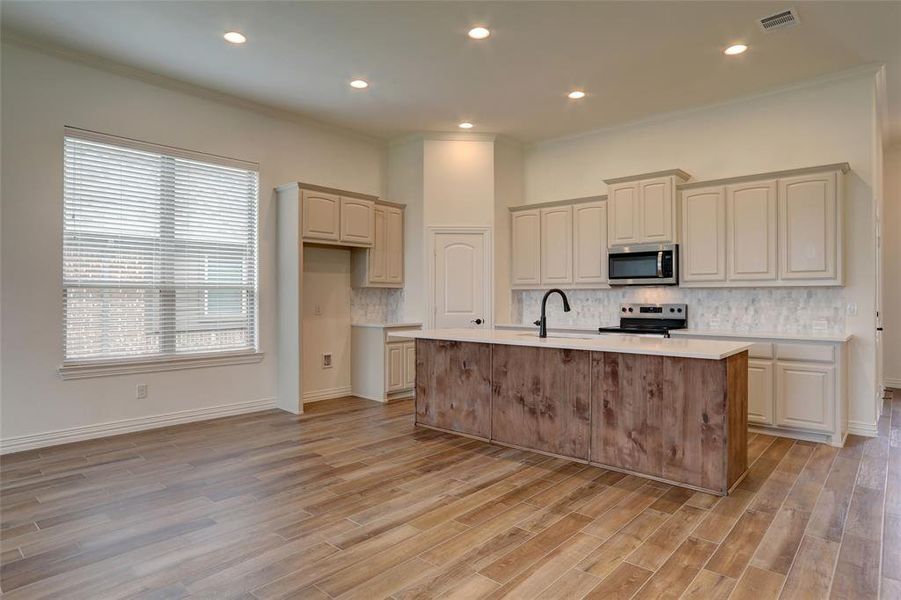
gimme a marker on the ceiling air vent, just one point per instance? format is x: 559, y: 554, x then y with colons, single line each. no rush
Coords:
x: 780, y: 20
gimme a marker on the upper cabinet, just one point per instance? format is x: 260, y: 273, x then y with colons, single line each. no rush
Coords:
x: 751, y: 228
x: 625, y: 214
x: 321, y: 216
x: 657, y: 210
x: 644, y: 209
x: 382, y: 265
x: 781, y: 229
x: 556, y: 251
x: 332, y: 218
x: 563, y: 245
x: 704, y: 235
x: 809, y: 234
x: 589, y: 243
x: 357, y: 221
x: 525, y: 251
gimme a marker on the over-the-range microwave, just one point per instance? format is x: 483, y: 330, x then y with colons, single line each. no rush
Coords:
x: 644, y: 264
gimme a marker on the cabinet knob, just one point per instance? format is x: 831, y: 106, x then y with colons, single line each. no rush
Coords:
x: 477, y: 321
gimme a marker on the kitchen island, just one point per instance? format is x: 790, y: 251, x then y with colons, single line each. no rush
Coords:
x: 669, y: 409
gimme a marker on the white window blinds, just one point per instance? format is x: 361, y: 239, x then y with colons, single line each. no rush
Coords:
x: 159, y: 251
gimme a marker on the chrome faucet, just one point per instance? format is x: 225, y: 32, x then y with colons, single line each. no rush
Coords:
x: 542, y: 322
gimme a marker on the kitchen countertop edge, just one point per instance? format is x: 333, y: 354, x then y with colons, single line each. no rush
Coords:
x: 681, y: 348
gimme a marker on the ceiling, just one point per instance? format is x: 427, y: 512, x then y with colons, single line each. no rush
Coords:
x: 635, y: 59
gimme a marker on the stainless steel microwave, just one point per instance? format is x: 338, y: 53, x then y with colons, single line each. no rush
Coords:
x: 645, y: 264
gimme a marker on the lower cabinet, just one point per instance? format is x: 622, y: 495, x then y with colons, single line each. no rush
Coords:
x: 804, y: 395
x: 381, y: 368
x: 394, y: 367
x: 400, y: 366
x: 798, y: 388
x: 760, y: 391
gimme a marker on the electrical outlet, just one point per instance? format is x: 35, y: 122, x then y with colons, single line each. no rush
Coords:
x: 141, y: 391
x: 852, y: 309
x: 317, y: 310
x: 327, y: 360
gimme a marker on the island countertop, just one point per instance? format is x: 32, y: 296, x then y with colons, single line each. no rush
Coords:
x: 625, y: 344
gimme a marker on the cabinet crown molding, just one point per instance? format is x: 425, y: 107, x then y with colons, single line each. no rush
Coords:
x: 328, y: 190
x: 678, y: 173
x: 843, y: 167
x: 551, y: 203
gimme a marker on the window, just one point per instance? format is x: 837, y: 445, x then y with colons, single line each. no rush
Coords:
x: 159, y: 251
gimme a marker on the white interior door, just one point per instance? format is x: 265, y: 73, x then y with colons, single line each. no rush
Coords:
x: 461, y: 290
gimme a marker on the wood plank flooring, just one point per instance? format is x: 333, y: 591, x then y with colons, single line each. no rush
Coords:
x: 351, y: 501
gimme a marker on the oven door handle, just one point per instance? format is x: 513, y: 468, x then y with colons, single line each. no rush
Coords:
x: 660, y: 264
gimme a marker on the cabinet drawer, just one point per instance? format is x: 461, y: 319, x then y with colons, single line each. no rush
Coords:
x: 808, y: 352
x: 761, y: 350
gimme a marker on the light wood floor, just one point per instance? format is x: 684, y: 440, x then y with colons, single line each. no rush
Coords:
x: 351, y: 501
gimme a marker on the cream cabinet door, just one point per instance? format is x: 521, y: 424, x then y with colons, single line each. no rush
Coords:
x: 320, y: 215
x: 804, y: 395
x: 409, y: 365
x: 394, y: 367
x: 357, y: 221
x: 378, y: 254
x: 808, y: 227
x: 525, y: 251
x: 557, y: 245
x: 624, y: 223
x: 760, y: 392
x: 751, y: 231
x: 657, y: 206
x: 703, y: 235
x: 590, y: 243
x: 394, y: 250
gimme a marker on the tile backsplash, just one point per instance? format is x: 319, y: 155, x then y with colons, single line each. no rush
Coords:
x: 376, y: 305
x: 814, y: 310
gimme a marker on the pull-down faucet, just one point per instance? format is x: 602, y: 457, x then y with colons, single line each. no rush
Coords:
x: 542, y: 322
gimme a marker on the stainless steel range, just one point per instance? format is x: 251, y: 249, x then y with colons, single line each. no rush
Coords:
x: 649, y: 319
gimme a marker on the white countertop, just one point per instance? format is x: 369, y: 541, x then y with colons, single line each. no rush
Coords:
x: 387, y: 325
x: 762, y: 335
x: 626, y: 344
x: 714, y: 333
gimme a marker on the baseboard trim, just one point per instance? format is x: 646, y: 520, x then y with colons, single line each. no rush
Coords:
x: 90, y: 432
x: 864, y: 429
x: 326, y: 394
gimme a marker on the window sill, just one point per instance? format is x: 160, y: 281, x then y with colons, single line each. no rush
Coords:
x: 85, y: 370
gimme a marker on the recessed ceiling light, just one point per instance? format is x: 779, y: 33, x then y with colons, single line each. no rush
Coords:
x: 479, y: 33
x: 736, y: 49
x: 576, y: 94
x: 465, y: 125
x: 359, y: 84
x: 235, y: 37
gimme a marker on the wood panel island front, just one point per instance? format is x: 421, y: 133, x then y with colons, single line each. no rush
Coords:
x: 668, y: 409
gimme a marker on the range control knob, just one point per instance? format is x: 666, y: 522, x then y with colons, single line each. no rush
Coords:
x: 624, y: 309
x: 680, y: 310
x: 630, y: 309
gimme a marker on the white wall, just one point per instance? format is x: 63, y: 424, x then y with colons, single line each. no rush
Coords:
x: 891, y: 253
x: 508, y: 191
x: 326, y: 321
x: 827, y: 122
x: 43, y: 93
x: 405, y: 186
x: 458, y: 183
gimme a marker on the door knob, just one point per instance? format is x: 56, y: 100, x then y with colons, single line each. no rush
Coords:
x: 477, y: 321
